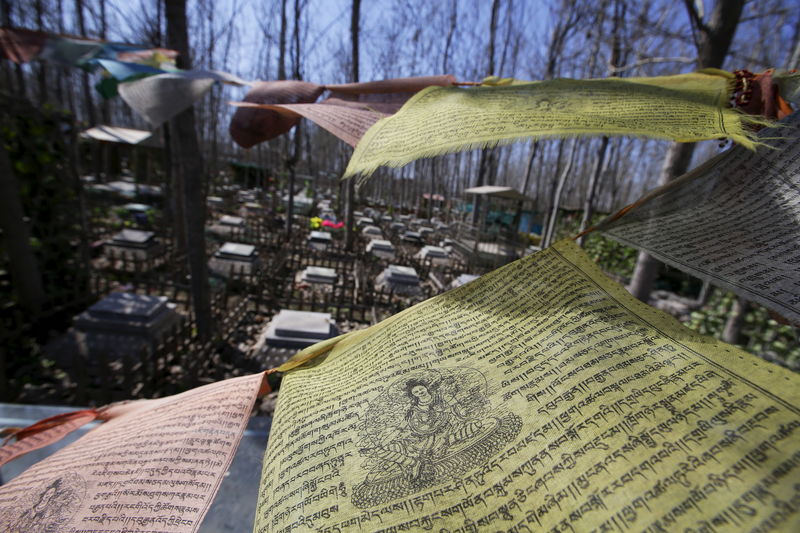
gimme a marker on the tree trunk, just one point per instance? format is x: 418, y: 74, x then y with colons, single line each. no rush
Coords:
x: 189, y: 172
x: 528, y: 170
x: 615, y: 60
x: 676, y: 162
x: 588, y: 205
x: 27, y: 280
x: 105, y: 109
x: 487, y: 154
x: 87, y: 89
x: 350, y: 187
x: 282, y: 44
x: 733, y: 326
x: 549, y: 233
x: 713, y: 40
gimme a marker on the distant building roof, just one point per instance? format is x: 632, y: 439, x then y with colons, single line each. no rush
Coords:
x: 115, y: 134
x: 508, y: 193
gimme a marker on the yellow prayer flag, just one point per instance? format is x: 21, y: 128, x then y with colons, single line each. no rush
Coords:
x: 440, y: 120
x: 540, y: 397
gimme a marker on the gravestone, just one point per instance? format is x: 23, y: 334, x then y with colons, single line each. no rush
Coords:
x: 314, y: 274
x: 215, y: 201
x: 372, y: 232
x: 133, y: 244
x: 229, y: 220
x: 253, y: 208
x: 319, y: 240
x: 463, y: 279
x: 425, y: 231
x: 245, y: 196
x: 137, y: 208
x: 399, y: 279
x: 298, y: 329
x: 412, y: 237
x: 434, y: 254
x: 381, y: 248
x: 365, y: 221
x: 227, y: 226
x: 302, y: 205
x: 125, y: 324
x: 234, y: 258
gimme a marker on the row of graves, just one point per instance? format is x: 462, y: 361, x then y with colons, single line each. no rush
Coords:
x: 137, y: 337
x: 396, y: 261
x: 270, y: 296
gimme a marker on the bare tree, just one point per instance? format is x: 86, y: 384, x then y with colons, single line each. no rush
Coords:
x: 350, y: 189
x: 188, y: 167
x: 713, y: 39
x: 488, y: 155
x: 600, y: 158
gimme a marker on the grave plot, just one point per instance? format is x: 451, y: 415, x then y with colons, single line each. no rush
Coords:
x: 235, y: 261
x: 132, y: 249
x: 382, y: 249
x: 229, y: 227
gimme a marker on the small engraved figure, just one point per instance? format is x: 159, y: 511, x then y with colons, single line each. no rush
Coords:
x: 426, y: 428
x: 50, y: 506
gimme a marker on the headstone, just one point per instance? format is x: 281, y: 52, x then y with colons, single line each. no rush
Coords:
x: 314, y: 274
x: 245, y: 196
x: 319, y: 240
x: 137, y: 208
x: 228, y: 227
x: 328, y: 214
x: 234, y: 258
x: 298, y: 329
x: 125, y: 324
x: 253, y: 208
x: 365, y: 221
x: 372, y: 231
x: 387, y: 218
x: 397, y: 227
x: 399, y: 279
x: 412, y: 237
x: 123, y: 188
x: 463, y: 279
x: 215, y: 201
x: 134, y: 244
x: 402, y: 274
x: 425, y: 231
x: 434, y: 254
x: 381, y: 248
x: 237, y: 251
x: 302, y: 204
x: 228, y: 220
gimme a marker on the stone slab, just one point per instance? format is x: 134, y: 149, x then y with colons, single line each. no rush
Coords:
x: 236, y: 250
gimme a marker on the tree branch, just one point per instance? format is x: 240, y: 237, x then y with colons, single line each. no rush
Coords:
x: 649, y: 61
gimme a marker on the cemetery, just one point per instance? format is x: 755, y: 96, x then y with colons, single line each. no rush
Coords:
x: 302, y: 278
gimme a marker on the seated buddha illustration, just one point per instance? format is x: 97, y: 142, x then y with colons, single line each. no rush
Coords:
x: 48, y: 508
x: 427, y: 428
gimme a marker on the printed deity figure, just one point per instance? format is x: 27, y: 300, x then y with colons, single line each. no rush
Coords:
x: 426, y: 428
